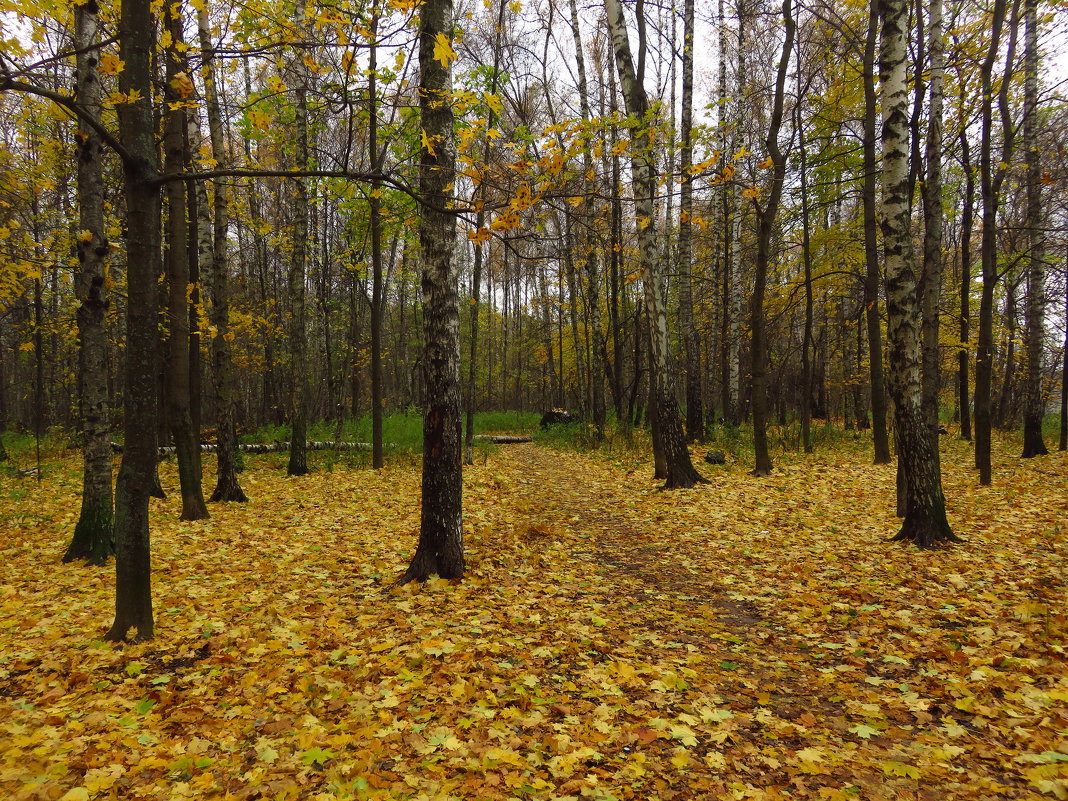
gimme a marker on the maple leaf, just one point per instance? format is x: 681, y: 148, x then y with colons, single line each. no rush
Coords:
x: 443, y: 52
x: 110, y: 64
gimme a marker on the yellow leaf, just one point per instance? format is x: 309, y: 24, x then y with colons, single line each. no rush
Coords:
x: 751, y: 192
x: 481, y: 235
x: 75, y: 794
x: 85, y: 235
x: 743, y: 151
x: 110, y: 65
x: 443, y: 52
x: 766, y: 163
x: 428, y: 144
x: 182, y: 84
x: 894, y: 768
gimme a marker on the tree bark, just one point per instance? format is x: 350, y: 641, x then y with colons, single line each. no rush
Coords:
x: 591, y: 264
x: 695, y: 415
x: 227, y: 485
x: 92, y: 539
x: 880, y: 437
x: 133, y: 568
x: 991, y: 180
x: 967, y: 220
x: 1034, y: 409
x: 931, y: 273
x: 186, y: 440
x: 298, y: 268
x: 765, y: 228
x: 925, y: 522
x: 680, y: 470
x: 441, y: 541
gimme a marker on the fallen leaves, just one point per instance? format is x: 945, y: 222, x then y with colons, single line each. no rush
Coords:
x: 751, y: 639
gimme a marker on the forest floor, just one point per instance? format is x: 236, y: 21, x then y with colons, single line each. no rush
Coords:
x: 753, y: 638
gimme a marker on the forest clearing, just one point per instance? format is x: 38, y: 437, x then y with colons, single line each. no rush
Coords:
x: 747, y: 639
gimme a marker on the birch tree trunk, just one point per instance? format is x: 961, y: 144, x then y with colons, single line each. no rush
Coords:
x: 680, y: 470
x: 1034, y: 408
x: 441, y: 542
x: 880, y: 437
x: 227, y: 485
x: 591, y: 265
x: 695, y: 414
x: 925, y: 522
x: 92, y: 539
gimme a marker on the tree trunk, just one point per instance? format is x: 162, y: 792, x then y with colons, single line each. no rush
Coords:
x: 179, y: 411
x: 964, y: 405
x: 806, y: 259
x: 441, y: 540
x: 931, y: 273
x: 680, y: 470
x: 880, y: 438
x: 92, y: 538
x: 227, y: 485
x: 133, y: 569
x: 1034, y: 409
x: 298, y: 338
x: 695, y: 415
x: 925, y: 522
x: 591, y: 266
x: 765, y: 228
x: 991, y: 180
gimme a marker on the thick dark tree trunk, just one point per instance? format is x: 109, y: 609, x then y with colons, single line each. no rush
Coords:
x: 765, y: 228
x: 298, y: 270
x: 133, y: 569
x: 441, y: 540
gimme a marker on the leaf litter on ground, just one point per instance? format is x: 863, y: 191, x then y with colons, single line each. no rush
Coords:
x: 755, y: 638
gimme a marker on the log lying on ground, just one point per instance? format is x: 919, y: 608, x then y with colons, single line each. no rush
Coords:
x: 281, y: 447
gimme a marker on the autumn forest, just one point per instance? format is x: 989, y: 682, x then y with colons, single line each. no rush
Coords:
x: 533, y: 399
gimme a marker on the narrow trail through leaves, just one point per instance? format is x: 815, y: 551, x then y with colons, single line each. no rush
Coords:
x: 754, y: 638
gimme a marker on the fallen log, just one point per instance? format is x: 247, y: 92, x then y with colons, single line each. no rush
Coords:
x: 266, y: 447
x: 280, y: 447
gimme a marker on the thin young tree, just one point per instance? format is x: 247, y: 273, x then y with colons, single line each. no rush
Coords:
x: 869, y: 195
x: 1034, y: 410
x: 227, y: 485
x: 179, y: 394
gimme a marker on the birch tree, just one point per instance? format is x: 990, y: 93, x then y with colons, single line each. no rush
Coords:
x: 925, y: 522
x: 679, y: 468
